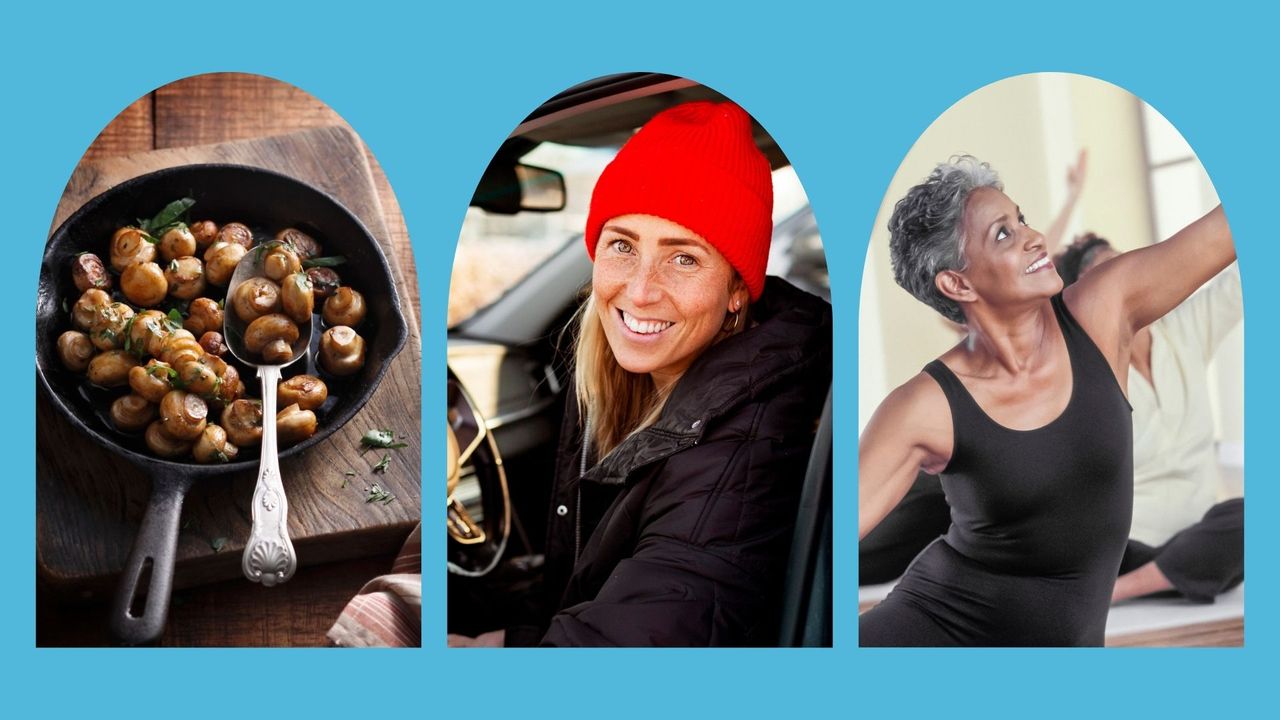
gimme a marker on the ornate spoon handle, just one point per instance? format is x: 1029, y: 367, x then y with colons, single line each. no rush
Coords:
x: 268, y: 556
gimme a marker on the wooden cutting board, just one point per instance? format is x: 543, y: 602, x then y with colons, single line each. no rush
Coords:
x: 89, y: 503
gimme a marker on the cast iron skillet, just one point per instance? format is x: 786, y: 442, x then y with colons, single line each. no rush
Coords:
x: 266, y: 202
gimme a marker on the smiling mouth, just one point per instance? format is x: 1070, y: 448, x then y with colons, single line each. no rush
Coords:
x: 1042, y: 262
x: 643, y: 327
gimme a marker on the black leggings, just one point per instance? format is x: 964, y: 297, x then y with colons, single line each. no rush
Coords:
x: 1202, y: 561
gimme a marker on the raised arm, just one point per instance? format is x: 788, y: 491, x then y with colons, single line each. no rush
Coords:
x: 910, y: 431
x: 1139, y: 287
x: 1075, y: 184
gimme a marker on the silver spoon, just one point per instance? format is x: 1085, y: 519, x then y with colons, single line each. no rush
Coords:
x: 269, y: 557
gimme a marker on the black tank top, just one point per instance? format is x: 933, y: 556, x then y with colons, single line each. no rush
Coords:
x: 1039, y: 521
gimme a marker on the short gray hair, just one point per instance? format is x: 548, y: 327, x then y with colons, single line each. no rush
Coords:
x: 926, y: 230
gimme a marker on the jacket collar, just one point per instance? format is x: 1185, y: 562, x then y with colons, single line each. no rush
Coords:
x: 790, y: 333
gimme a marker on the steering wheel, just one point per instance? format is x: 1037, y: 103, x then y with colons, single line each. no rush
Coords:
x: 478, y: 508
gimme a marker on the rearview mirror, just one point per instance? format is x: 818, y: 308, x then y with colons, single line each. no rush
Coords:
x: 507, y: 189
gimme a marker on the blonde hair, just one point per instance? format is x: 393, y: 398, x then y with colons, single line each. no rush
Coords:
x: 619, y: 402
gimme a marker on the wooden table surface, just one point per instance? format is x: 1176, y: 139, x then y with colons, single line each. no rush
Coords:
x: 198, y: 111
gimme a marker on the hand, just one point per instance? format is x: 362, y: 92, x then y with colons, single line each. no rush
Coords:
x: 493, y: 638
x: 1076, y: 173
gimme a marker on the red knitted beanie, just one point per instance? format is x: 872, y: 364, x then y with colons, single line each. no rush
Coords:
x: 695, y: 164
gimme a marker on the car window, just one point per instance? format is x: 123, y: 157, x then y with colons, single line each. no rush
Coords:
x: 496, y: 251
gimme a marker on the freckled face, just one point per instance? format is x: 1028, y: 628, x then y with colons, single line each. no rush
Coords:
x: 1007, y: 261
x: 662, y: 294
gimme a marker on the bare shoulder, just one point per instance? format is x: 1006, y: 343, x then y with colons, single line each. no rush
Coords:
x: 916, y: 414
x: 1097, y: 304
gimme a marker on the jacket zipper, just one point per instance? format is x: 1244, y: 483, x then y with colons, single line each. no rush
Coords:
x: 577, y: 510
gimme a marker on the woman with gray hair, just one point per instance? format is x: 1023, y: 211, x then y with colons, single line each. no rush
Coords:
x: 1026, y: 419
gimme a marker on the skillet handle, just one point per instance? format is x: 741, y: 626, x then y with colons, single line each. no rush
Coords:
x: 157, y: 546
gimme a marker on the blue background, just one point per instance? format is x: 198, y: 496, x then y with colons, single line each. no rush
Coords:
x: 845, y: 91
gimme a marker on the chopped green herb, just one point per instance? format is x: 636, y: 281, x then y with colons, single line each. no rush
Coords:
x: 171, y: 215
x: 331, y: 261
x: 150, y: 238
x: 381, y: 439
x: 64, y: 306
x: 174, y: 318
x: 377, y: 494
x: 173, y: 265
x: 217, y: 543
x: 221, y: 456
x: 382, y: 465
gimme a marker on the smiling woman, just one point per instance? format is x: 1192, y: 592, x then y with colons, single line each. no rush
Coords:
x: 697, y: 385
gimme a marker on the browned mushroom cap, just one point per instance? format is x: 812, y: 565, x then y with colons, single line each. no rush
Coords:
x: 213, y: 447
x: 213, y: 343
x: 341, y: 350
x: 220, y: 262
x: 163, y: 445
x: 237, y: 234
x: 111, y: 368
x: 306, y: 391
x: 205, y: 232
x: 87, y: 271
x: 204, y: 315
x: 177, y: 241
x: 75, y: 350
x: 255, y: 297
x: 198, y: 377
x: 130, y: 245
x: 185, y: 276
x: 144, y: 284
x: 111, y: 326
x: 269, y: 328
x: 132, y: 412
x: 346, y: 307
x: 183, y: 415
x: 280, y: 262
x: 293, y: 424
x: 152, y: 381
x: 324, y: 282
x: 85, y: 312
x: 180, y: 348
x: 297, y: 298
x: 242, y: 419
x: 148, y: 331
x: 303, y: 244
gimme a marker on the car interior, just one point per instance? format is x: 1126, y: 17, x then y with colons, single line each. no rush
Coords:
x: 510, y: 362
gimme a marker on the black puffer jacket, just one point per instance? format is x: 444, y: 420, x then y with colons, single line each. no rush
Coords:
x: 682, y: 532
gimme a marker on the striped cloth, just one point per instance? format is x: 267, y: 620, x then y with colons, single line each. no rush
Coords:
x: 388, y: 610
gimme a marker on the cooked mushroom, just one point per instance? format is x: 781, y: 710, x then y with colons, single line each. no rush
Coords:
x: 183, y: 415
x: 297, y: 298
x: 177, y: 241
x: 111, y: 326
x: 152, y: 381
x: 346, y: 307
x: 185, y: 276
x: 277, y: 352
x: 280, y: 262
x: 148, y: 332
x: 242, y: 419
x: 198, y: 377
x: 87, y: 271
x: 341, y: 350
x: 303, y: 244
x: 230, y: 389
x: 269, y: 328
x: 111, y: 368
x: 220, y: 262
x: 294, y: 424
x: 180, y: 349
x: 324, y: 281
x: 86, y: 309
x: 205, y: 232
x: 255, y: 297
x: 203, y: 315
x: 130, y: 245
x: 144, y: 284
x: 163, y: 445
x: 212, y: 447
x: 213, y: 343
x: 306, y: 391
x: 236, y: 234
x: 132, y: 412
x: 75, y: 350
